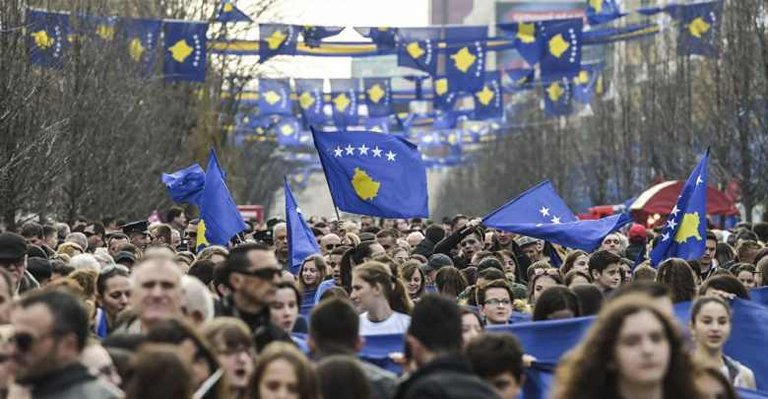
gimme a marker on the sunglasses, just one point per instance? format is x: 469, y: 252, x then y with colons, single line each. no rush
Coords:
x: 331, y: 247
x: 264, y: 274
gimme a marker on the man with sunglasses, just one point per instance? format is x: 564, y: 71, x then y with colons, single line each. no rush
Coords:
x: 251, y: 273
x: 51, y: 328
x: 329, y: 242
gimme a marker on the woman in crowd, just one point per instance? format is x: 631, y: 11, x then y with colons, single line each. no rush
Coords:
x: 413, y: 278
x: 632, y: 351
x: 231, y: 341
x: 113, y: 292
x: 381, y: 299
x: 471, y: 324
x: 311, y: 274
x: 710, y: 328
x: 282, y: 372
x: 508, y: 260
x: 746, y: 272
x: 450, y: 281
x: 540, y: 281
x: 284, y: 309
x: 557, y: 303
x: 725, y: 286
x: 678, y: 276
x: 576, y: 260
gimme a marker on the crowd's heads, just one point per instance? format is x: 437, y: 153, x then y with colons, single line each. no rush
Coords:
x: 282, y: 368
x: 495, y: 299
x: 557, y: 303
x: 678, y: 276
x: 156, y: 291
x: 13, y: 255
x: 498, y: 359
x: 333, y: 328
x: 423, y: 339
x: 605, y: 269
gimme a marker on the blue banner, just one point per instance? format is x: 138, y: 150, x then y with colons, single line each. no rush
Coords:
x: 185, y: 51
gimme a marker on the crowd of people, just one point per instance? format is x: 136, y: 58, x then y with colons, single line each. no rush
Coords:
x: 109, y: 309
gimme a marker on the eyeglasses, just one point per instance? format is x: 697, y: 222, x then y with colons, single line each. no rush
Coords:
x: 468, y: 242
x: 268, y: 273
x: 497, y: 302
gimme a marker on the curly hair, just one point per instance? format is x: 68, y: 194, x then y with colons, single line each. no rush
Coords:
x: 676, y: 274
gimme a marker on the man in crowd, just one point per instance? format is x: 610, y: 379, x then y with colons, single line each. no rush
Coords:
x: 156, y: 294
x: 531, y: 247
x: 329, y: 242
x: 708, y: 263
x: 604, y: 267
x: 138, y: 233
x: 498, y: 359
x: 94, y: 232
x: 496, y: 301
x: 177, y: 218
x: 33, y: 233
x: 615, y: 243
x: 13, y: 258
x: 280, y: 238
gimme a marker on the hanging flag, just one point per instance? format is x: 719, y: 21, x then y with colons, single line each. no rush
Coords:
x: 417, y: 48
x: 276, y: 39
x: 217, y: 208
x: 47, y: 38
x: 384, y: 38
x: 275, y: 97
x: 445, y: 97
x: 185, y: 51
x: 289, y: 134
x: 699, y: 28
x: 301, y: 241
x: 97, y: 28
x: 585, y: 84
x: 602, y: 11
x: 311, y: 101
x: 344, y: 102
x: 489, y: 101
x: 562, y: 43
x: 139, y: 38
x: 465, y: 57
x: 418, y: 84
x: 374, y: 174
x: 520, y: 78
x: 378, y: 96
x: 685, y: 233
x: 526, y: 36
x: 557, y: 98
x: 185, y: 185
x: 228, y: 12
x: 313, y: 35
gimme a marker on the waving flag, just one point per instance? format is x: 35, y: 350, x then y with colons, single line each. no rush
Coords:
x: 384, y: 38
x: 311, y: 101
x: 185, y: 51
x: 47, y: 35
x: 228, y: 12
x: 217, y: 208
x: 465, y: 57
x: 101, y: 29
x: 344, y: 102
x: 289, y: 133
x: 301, y: 240
x: 489, y: 101
x: 520, y: 78
x: 275, y: 97
x: 444, y: 97
x: 586, y: 83
x: 140, y: 38
x: 417, y: 48
x: 685, y: 233
x: 374, y: 174
x: 557, y: 98
x: 527, y: 39
x: 602, y: 11
x: 185, y: 185
x: 276, y: 39
x: 313, y: 35
x: 562, y: 43
x: 699, y: 28
x: 378, y: 96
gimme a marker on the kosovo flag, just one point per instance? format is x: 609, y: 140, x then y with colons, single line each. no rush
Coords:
x: 185, y: 51
x: 526, y: 36
x: 276, y: 39
x: 217, y: 208
x: 444, y: 97
x: 417, y: 48
x: 685, y: 233
x: 557, y: 98
x: 562, y: 41
x: 384, y: 38
x: 311, y: 101
x: 378, y: 96
x: 520, y: 78
x: 185, y: 185
x: 301, y: 241
x: 374, y: 174
x: 313, y: 35
x: 275, y: 97
x: 228, y: 12
x: 344, y: 102
x: 289, y: 134
x: 489, y: 101
x: 465, y: 57
x: 140, y: 38
x: 47, y: 38
x: 699, y: 28
x: 585, y: 84
x: 602, y: 11
x: 101, y: 29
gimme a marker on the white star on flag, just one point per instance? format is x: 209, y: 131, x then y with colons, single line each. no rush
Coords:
x: 544, y: 211
x: 675, y: 211
x: 337, y: 152
x: 363, y: 149
x: 377, y: 152
x: 391, y: 156
x: 671, y: 224
x: 665, y: 237
x: 699, y: 180
x: 350, y: 150
x: 556, y: 220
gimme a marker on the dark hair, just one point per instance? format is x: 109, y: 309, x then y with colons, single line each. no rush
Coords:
x: 342, y: 378
x: 651, y: 288
x: 570, y: 259
x: 334, y: 292
x: 435, y: 233
x: 480, y: 294
x: 69, y: 314
x: 334, y: 326
x: 727, y: 283
x: 677, y: 275
x: 600, y: 260
x: 490, y: 262
x: 352, y: 257
x: 176, y: 331
x: 294, y: 288
x: 407, y: 271
x: 491, y: 273
x: 31, y: 229
x: 374, y: 272
x: 742, y: 267
x: 238, y: 259
x: 307, y: 386
x: 173, y: 213
x: 465, y: 310
x: 554, y: 275
x: 61, y: 268
x: 158, y: 372
x: 450, y: 281
x: 699, y: 304
x: 730, y: 392
x: 493, y: 354
x: 761, y: 229
x: 435, y: 310
x: 590, y: 298
x: 724, y: 253
x: 227, y: 334
x: 555, y: 299
x: 108, y: 273
x: 203, y: 270
x: 571, y: 275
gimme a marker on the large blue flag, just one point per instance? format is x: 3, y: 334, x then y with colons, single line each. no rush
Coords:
x: 374, y: 174
x: 344, y: 102
x: 311, y: 101
x: 557, y: 98
x: 685, y: 233
x: 417, y: 48
x: 275, y: 97
x: 699, y: 28
x: 602, y: 11
x: 489, y: 100
x: 301, y: 240
x: 185, y: 51
x: 378, y: 96
x: 228, y: 12
x: 465, y: 57
x: 217, y: 208
x: 140, y: 38
x: 185, y: 185
x: 277, y: 39
x: 47, y: 37
x: 562, y: 43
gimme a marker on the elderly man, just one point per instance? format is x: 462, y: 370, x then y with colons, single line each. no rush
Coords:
x: 156, y: 296
x: 280, y: 237
x: 329, y: 242
x: 13, y: 258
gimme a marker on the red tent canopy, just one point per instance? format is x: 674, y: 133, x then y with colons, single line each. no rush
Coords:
x: 663, y: 196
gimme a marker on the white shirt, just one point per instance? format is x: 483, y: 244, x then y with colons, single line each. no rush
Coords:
x: 397, y: 323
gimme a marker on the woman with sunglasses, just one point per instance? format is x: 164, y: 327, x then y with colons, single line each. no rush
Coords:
x: 113, y: 293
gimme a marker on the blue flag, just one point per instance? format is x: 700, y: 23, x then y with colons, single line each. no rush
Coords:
x: 526, y: 36
x: 140, y: 38
x: 185, y: 185
x: 378, y: 96
x: 289, y: 134
x: 562, y: 42
x: 344, y: 102
x: 228, y: 12
x: 276, y: 39
x: 586, y: 83
x: 47, y: 38
x: 99, y: 29
x: 217, y: 208
x: 301, y: 241
x: 489, y: 102
x: 602, y: 11
x: 313, y: 35
x: 417, y: 48
x: 384, y: 38
x: 311, y: 101
x: 275, y: 97
x: 185, y: 51
x: 557, y: 98
x: 445, y: 97
x: 685, y: 233
x: 699, y: 28
x: 520, y: 78
x: 465, y: 57
x: 445, y: 120
x: 374, y: 174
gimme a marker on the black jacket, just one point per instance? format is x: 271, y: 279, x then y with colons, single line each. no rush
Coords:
x: 71, y: 382
x: 264, y: 331
x: 445, y: 377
